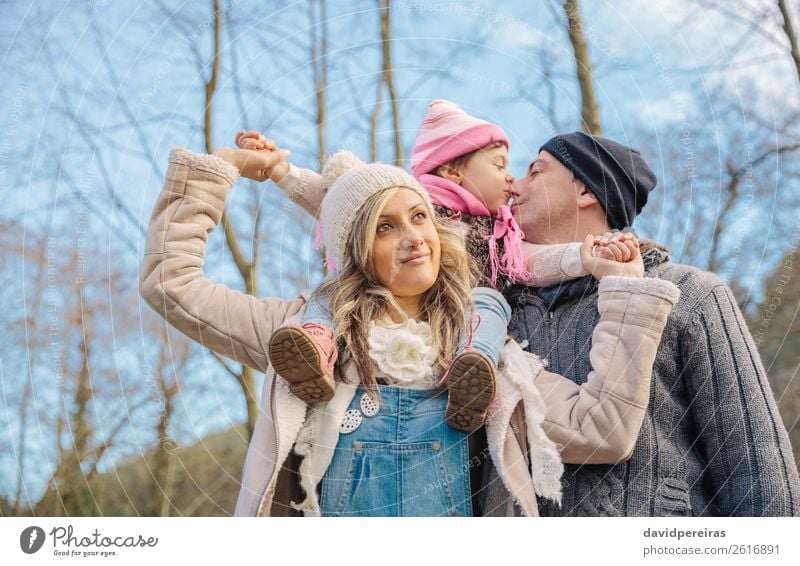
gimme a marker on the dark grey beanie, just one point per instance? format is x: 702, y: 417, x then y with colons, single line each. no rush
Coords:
x: 616, y: 174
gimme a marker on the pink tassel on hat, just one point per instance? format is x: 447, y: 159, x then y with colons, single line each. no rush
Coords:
x: 318, y: 237
x: 330, y: 264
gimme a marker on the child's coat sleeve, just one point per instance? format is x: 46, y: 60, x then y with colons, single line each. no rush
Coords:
x: 303, y: 187
x: 552, y: 263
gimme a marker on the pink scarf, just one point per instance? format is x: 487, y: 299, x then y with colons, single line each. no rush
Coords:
x: 455, y: 197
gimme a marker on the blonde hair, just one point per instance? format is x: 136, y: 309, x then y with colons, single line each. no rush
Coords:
x: 357, y: 297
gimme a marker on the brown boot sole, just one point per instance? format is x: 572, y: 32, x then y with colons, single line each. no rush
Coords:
x: 295, y: 357
x: 471, y: 389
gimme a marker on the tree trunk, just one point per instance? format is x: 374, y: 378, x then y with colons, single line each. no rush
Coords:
x: 319, y: 66
x: 373, y: 123
x: 246, y: 379
x: 387, y: 79
x: 67, y: 489
x: 590, y: 113
x: 788, y: 29
x: 172, y: 355
x: 33, y: 325
x: 211, y: 85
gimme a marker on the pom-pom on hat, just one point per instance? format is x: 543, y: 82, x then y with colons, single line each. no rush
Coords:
x: 449, y: 132
x: 350, y: 182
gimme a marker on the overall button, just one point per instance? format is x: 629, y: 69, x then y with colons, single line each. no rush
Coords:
x: 436, y: 446
x: 352, y: 420
x: 369, y: 406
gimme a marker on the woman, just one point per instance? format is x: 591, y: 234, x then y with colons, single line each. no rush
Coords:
x: 378, y: 449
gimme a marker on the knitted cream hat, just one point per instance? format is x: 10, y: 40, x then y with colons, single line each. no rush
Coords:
x: 350, y: 182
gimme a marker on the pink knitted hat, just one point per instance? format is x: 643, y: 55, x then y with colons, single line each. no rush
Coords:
x: 449, y: 132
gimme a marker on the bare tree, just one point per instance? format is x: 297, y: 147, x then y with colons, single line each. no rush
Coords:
x: 245, y: 376
x: 81, y: 442
x: 33, y: 322
x: 319, y: 68
x: 174, y: 355
x: 791, y: 36
x: 732, y: 194
x: 725, y: 188
x: 776, y: 330
x: 590, y: 113
x: 387, y: 80
x: 760, y: 20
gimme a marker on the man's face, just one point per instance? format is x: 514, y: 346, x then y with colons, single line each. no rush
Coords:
x: 545, y: 201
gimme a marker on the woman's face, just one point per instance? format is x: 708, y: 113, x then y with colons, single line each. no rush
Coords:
x: 406, y: 250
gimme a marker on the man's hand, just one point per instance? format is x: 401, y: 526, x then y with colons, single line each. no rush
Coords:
x: 256, y: 165
x: 612, y: 254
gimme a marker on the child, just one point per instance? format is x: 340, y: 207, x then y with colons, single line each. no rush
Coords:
x: 462, y: 162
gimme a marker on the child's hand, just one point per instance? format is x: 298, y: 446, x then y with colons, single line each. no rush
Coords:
x: 254, y: 141
x: 612, y: 254
x: 256, y: 165
x: 615, y: 246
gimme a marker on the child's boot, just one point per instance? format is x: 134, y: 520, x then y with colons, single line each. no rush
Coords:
x: 304, y: 357
x: 470, y: 388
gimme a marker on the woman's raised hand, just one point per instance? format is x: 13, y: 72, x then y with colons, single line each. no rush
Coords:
x: 256, y: 165
x: 612, y: 254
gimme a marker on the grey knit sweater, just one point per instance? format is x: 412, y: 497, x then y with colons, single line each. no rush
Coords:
x: 712, y: 442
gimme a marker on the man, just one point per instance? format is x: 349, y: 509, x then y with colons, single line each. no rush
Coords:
x: 712, y: 442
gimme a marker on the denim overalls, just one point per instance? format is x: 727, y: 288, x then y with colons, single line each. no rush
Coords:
x: 403, y: 461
